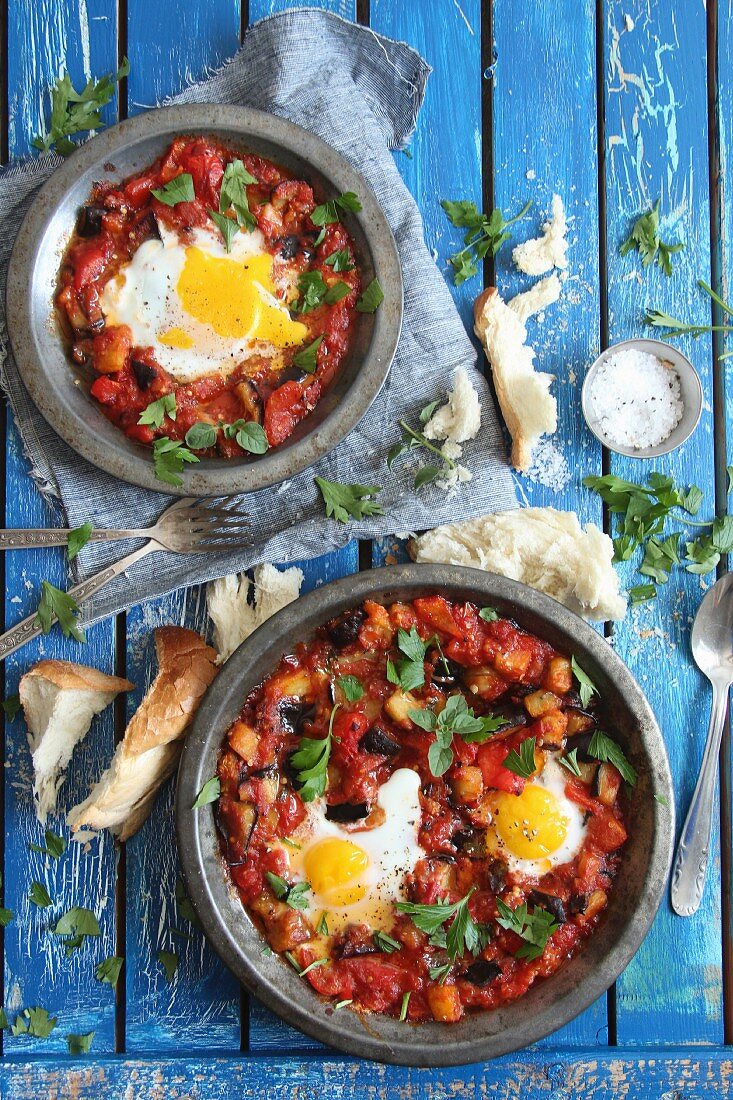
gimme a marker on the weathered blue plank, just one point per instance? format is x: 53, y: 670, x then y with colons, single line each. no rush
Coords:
x: 168, y: 45
x: 533, y: 1075
x: 656, y: 145
x: 535, y: 156
x: 45, y: 38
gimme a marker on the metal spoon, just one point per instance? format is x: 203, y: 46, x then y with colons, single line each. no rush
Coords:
x: 712, y: 648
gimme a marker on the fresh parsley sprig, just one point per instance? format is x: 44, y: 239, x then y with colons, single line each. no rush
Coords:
x: 155, y: 413
x: 522, y: 762
x: 603, y: 748
x: 411, y: 439
x: 34, y: 1021
x: 328, y: 212
x: 233, y: 194
x: 292, y: 894
x: 179, y: 189
x: 587, y: 689
x: 463, y: 934
x: 673, y: 327
x: 77, y: 540
x: 645, y: 237
x: 483, y: 235
x: 169, y: 457
x: 55, y: 604
x: 534, y: 928
x: 310, y: 761
x: 455, y: 719
x: 75, y: 112
x: 344, y: 500
x: 408, y: 673
x: 209, y: 793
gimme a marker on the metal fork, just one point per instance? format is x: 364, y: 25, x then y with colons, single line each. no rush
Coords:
x: 188, y: 526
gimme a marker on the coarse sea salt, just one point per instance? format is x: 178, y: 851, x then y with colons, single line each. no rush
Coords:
x: 634, y: 397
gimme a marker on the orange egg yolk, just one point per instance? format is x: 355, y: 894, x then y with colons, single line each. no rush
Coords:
x: 333, y: 868
x: 531, y: 824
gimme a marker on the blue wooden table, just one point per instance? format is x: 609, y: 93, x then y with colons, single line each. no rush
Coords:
x: 610, y: 103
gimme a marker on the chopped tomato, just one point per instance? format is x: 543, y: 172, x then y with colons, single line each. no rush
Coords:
x: 490, y: 758
x: 436, y: 612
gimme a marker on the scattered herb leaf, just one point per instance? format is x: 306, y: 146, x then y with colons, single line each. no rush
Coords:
x: 39, y: 895
x: 75, y: 112
x: 645, y: 238
x: 311, y: 762
x: 55, y: 604
x: 307, y: 358
x: 179, y: 189
x: 227, y: 226
x: 587, y: 688
x: 169, y: 457
x: 54, y: 847
x: 534, y: 928
x: 371, y: 298
x: 200, y: 436
x: 80, y: 1044
x: 602, y: 748
x: 522, y: 763
x: 209, y: 793
x: 34, y: 1021
x: 11, y: 706
x: 343, y: 500
x: 386, y: 943
x: 169, y: 961
x: 405, y: 1003
x: 77, y: 540
x: 155, y: 413
x: 109, y: 970
x: 293, y: 895
x: 351, y: 688
x: 570, y: 761
x: 488, y: 614
x: 483, y: 235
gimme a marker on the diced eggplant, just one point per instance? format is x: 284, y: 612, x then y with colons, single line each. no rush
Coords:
x: 251, y: 401
x: 240, y: 816
x: 293, y: 713
x: 495, y: 876
x: 580, y: 741
x: 470, y: 842
x: 606, y: 784
x: 145, y: 375
x: 292, y: 374
x: 578, y: 903
x: 344, y: 629
x: 375, y: 740
x: 90, y: 221
x: 482, y: 972
x: 347, y: 811
x: 514, y: 714
x: 579, y: 721
x: 551, y: 903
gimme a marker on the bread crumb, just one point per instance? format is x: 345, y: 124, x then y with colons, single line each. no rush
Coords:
x: 541, y: 254
x: 544, y: 293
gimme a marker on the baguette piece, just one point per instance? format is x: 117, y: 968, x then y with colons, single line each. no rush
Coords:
x: 544, y: 293
x: 59, y: 700
x: 542, y: 547
x: 149, y: 751
x: 236, y: 611
x: 526, y: 403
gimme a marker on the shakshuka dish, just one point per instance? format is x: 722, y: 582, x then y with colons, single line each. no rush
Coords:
x: 212, y: 297
x: 420, y: 809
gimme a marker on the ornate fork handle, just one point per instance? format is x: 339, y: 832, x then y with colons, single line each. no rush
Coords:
x: 30, y: 628
x: 57, y: 536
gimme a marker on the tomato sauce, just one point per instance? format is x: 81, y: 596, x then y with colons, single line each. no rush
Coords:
x: 273, y: 392
x: 343, y: 680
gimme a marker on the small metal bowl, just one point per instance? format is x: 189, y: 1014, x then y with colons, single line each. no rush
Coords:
x: 62, y: 396
x: 690, y: 393
x: 549, y: 1004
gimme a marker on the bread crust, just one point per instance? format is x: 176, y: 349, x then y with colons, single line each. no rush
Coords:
x: 68, y: 676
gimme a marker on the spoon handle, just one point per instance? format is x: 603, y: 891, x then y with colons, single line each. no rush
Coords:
x: 691, y: 861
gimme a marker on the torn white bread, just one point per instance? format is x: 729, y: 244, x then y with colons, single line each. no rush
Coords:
x: 149, y: 750
x: 455, y: 423
x: 542, y: 547
x: 528, y: 407
x: 236, y: 611
x: 59, y: 700
x: 541, y: 254
x: 544, y: 293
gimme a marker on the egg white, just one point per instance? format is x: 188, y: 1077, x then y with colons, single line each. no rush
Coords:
x: 391, y: 847
x: 144, y: 295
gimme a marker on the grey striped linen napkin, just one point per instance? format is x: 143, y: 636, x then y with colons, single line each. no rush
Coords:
x: 361, y: 93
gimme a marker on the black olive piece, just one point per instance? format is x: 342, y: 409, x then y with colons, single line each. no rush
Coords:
x: 380, y: 743
x: 288, y: 247
x: 345, y: 628
x: 495, y: 876
x: 578, y: 903
x: 293, y: 712
x: 89, y: 223
x: 520, y: 692
x: 446, y: 673
x: 551, y: 903
x: 145, y: 375
x: 581, y: 741
x: 350, y: 950
x: 347, y: 811
x: 470, y: 842
x: 482, y: 972
x: 261, y: 773
x: 513, y: 713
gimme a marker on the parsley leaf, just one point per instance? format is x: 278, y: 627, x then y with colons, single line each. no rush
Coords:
x: 602, y: 748
x: 179, y: 189
x: 54, y: 847
x: 674, y: 327
x: 200, y: 436
x: 411, y: 439
x: 645, y: 238
x: 534, y: 928
x: 233, y: 193
x: 456, y: 719
x: 11, y: 706
x: 340, y: 261
x: 34, y: 1021
x: 343, y: 500
x: 78, y: 538
x: 169, y: 961
x: 156, y: 411
x: 39, y: 895
x: 336, y: 292
x: 228, y: 228
x: 371, y: 298
x: 109, y: 970
x: 311, y: 762
x: 488, y: 614
x: 208, y: 793
x: 440, y: 973
x: 461, y: 936
x: 483, y: 235
x: 587, y: 688
x: 307, y: 358
x: 292, y: 895
x: 522, y: 763
x: 641, y: 593
x: 570, y: 761
x: 55, y: 604
x: 386, y: 943
x: 312, y: 288
x: 74, y: 112
x: 403, y: 1009
x: 76, y: 924
x: 6, y: 915
x: 169, y: 457
x: 659, y: 557
x: 327, y: 212
x: 80, y: 1044
x: 410, y: 672
x: 183, y: 903
x: 322, y: 926
x: 306, y: 970
x: 351, y: 688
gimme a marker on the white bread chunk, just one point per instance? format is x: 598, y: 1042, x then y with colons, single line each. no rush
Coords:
x: 526, y: 403
x: 541, y: 254
x: 235, y: 615
x: 59, y: 700
x: 542, y: 547
x: 544, y: 293
x: 149, y: 751
x: 460, y: 419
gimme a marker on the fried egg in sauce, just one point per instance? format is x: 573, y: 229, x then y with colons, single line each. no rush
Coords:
x: 201, y: 309
x: 540, y: 828
x: 356, y: 876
